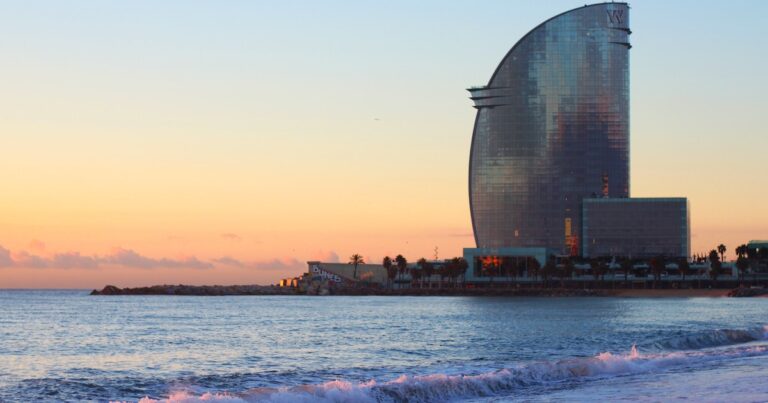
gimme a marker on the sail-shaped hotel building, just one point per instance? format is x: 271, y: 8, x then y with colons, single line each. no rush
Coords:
x: 551, y: 130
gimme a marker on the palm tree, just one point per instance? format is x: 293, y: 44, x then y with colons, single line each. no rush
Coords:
x: 626, y: 267
x: 602, y: 269
x: 549, y: 270
x: 449, y: 271
x: 441, y: 272
x: 566, y: 271
x: 721, y: 250
x: 684, y: 266
x: 533, y: 268
x: 594, y: 264
x: 657, y: 266
x: 523, y: 267
x: 401, y: 263
x: 429, y: 270
x: 356, y: 259
x: 391, y: 271
x: 714, y: 265
x: 459, y: 266
x: 426, y: 269
x: 741, y: 250
x: 415, y: 275
x: 742, y: 263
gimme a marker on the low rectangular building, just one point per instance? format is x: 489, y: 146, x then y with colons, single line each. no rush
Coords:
x: 636, y: 227
x: 489, y: 264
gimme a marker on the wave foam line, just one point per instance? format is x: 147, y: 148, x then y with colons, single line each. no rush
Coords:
x: 441, y: 387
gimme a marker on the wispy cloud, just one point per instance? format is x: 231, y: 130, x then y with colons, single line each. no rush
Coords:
x: 231, y: 237
x: 328, y: 257
x: 131, y: 258
x: 272, y: 264
x: 228, y: 261
x: 24, y: 259
x: 5, y: 257
x: 122, y: 257
x: 71, y: 260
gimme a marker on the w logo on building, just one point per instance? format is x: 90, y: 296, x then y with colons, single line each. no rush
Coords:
x: 615, y: 16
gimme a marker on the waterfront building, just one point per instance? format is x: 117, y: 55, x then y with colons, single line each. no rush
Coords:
x: 549, y: 163
x: 636, y: 227
x: 488, y: 264
x: 757, y: 252
x: 341, y: 273
x: 552, y: 128
x: 757, y: 248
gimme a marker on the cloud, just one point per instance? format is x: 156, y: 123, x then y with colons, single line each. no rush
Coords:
x: 231, y: 237
x: 327, y: 257
x: 24, y: 259
x: 118, y: 257
x: 289, y: 263
x: 70, y: 260
x: 272, y: 264
x: 123, y: 257
x: 131, y: 258
x: 228, y: 261
x: 5, y: 258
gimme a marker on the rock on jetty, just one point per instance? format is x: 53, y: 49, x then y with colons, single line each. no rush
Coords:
x: 748, y: 292
x: 197, y: 290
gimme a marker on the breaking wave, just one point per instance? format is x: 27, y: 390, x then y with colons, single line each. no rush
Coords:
x: 697, y: 349
x: 713, y: 338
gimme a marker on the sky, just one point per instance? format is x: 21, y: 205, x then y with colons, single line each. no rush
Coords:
x: 226, y: 142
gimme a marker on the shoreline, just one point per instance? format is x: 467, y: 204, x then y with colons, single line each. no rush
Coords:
x: 235, y: 290
x: 672, y: 293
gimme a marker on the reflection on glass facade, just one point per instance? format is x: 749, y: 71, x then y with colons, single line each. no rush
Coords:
x: 552, y: 128
x: 503, y: 266
x: 636, y: 228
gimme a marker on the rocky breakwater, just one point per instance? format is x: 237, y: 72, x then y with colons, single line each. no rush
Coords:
x: 197, y: 290
x: 748, y: 292
x: 471, y: 292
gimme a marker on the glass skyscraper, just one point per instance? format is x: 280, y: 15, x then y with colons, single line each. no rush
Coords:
x: 552, y: 128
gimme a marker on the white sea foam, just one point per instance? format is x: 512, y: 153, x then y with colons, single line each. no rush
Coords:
x: 504, y: 382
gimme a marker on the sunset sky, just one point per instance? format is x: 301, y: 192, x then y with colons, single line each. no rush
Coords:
x: 206, y: 142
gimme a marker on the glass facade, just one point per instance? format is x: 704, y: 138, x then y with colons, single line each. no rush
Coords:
x: 492, y: 264
x: 502, y: 266
x: 636, y: 228
x: 552, y: 128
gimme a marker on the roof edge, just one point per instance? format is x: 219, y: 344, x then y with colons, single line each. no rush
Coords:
x: 503, y: 59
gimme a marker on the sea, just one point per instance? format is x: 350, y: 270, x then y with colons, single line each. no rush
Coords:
x: 65, y: 345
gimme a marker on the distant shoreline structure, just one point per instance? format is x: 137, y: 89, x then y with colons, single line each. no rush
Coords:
x: 244, y: 290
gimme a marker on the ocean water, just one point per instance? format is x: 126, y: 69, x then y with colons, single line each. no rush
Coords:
x: 69, y: 346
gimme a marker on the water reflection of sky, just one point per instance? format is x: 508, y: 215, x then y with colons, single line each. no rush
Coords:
x: 127, y: 346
